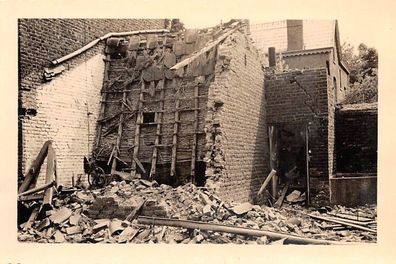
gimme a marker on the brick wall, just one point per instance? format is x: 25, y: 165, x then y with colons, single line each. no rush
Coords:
x: 61, y: 105
x: 303, y: 96
x: 356, y: 144
x: 237, y: 141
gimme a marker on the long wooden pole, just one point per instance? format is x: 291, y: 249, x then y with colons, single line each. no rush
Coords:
x: 137, y: 129
x: 308, y: 189
x: 291, y: 239
x: 195, y: 128
x: 174, y: 140
x: 103, y: 101
x: 50, y: 175
x: 159, y: 120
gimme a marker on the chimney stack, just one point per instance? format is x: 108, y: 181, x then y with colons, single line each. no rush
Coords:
x: 295, y: 39
x: 271, y: 56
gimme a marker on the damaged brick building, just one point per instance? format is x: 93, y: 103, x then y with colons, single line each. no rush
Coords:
x: 175, y: 106
x: 171, y: 125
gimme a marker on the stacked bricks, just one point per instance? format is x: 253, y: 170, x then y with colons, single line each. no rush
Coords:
x: 108, y: 207
x: 237, y: 141
x: 67, y: 107
x: 356, y: 144
x: 306, y: 96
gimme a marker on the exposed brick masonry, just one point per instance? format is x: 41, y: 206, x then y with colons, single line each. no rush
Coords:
x: 305, y: 96
x: 238, y: 156
x: 356, y: 133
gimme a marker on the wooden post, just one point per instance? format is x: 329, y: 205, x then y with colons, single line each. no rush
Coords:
x: 50, y: 175
x: 137, y: 129
x: 159, y: 120
x: 104, y: 96
x: 195, y: 127
x: 119, y: 134
x: 272, y: 149
x: 35, y: 168
x: 267, y: 180
x: 308, y: 192
x: 174, y: 141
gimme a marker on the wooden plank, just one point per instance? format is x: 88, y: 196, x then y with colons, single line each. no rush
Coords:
x: 139, y: 120
x: 158, y: 131
x: 137, y: 161
x: 135, y: 211
x: 31, y: 219
x: 174, y: 140
x: 34, y: 169
x: 266, y: 182
x: 104, y: 97
x: 343, y: 223
x: 195, y: 128
x: 50, y: 175
x: 205, y: 49
x: 279, y: 202
x: 37, y: 189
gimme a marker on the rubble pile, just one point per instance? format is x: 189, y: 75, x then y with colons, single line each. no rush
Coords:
x: 104, y: 216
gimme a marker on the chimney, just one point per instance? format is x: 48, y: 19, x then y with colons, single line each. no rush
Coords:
x: 295, y: 39
x: 271, y: 57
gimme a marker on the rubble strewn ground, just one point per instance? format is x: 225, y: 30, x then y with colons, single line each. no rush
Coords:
x: 98, y: 216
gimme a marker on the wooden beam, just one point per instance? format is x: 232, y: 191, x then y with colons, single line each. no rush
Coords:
x: 119, y: 132
x: 137, y: 161
x: 343, y: 223
x: 308, y: 187
x: 31, y: 219
x: 158, y: 131
x: 272, y: 148
x: 135, y: 211
x: 139, y: 118
x: 195, y: 128
x: 37, y: 189
x: 279, y: 202
x: 104, y: 97
x: 207, y: 48
x: 34, y: 169
x: 266, y: 182
x: 50, y: 175
x: 174, y: 140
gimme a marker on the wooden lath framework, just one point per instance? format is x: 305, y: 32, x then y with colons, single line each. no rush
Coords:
x: 175, y: 92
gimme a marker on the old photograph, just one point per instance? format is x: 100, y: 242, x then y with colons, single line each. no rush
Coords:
x: 154, y: 131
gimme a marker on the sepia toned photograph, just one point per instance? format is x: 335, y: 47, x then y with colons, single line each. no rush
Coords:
x: 154, y: 131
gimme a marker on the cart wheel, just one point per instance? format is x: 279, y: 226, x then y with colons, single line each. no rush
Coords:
x: 96, y: 177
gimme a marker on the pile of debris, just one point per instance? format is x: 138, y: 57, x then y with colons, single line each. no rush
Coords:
x: 143, y: 211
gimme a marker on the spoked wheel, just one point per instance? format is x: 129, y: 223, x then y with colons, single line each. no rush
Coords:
x: 96, y: 177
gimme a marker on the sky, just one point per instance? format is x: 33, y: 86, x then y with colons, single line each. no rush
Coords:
x: 347, y: 28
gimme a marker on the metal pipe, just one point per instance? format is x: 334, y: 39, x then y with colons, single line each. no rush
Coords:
x: 108, y: 35
x: 290, y: 239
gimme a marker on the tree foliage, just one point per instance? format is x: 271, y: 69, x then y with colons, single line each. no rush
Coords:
x: 363, y: 77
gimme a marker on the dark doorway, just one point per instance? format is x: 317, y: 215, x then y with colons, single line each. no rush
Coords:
x: 288, y: 155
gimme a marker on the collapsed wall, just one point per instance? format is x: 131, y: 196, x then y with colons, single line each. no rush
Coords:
x: 237, y: 142
x: 304, y: 97
x: 63, y: 110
